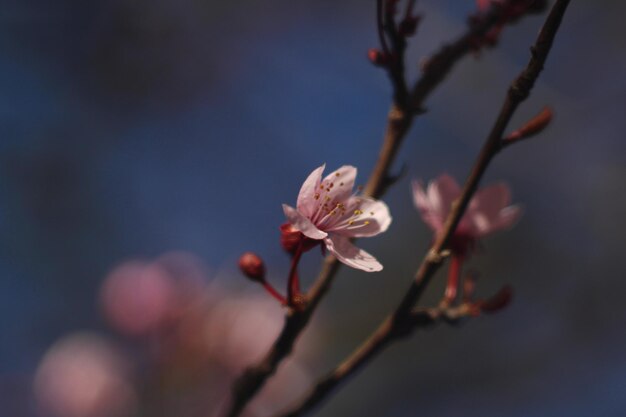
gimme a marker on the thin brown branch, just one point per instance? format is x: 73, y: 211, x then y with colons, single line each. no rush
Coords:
x: 396, y: 59
x: 402, y: 322
x: 400, y: 118
x: 404, y: 109
x: 381, y: 27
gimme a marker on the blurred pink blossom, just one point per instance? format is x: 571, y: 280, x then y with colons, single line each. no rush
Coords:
x: 327, y: 210
x: 291, y: 381
x: 238, y: 332
x: 488, y: 211
x: 82, y: 375
x: 139, y: 297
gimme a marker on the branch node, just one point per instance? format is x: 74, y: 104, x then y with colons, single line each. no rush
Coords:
x: 437, y: 257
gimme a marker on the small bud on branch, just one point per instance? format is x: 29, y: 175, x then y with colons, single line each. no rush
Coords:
x: 534, y: 126
x: 497, y: 302
x: 378, y: 57
x: 252, y: 266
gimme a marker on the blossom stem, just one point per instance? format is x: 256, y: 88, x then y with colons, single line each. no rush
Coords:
x: 296, y: 282
x: 273, y: 292
x: 452, y: 287
x: 293, y: 282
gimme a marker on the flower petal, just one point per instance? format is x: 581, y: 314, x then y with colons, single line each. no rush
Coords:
x: 492, y: 199
x: 429, y: 215
x: 303, y: 224
x: 507, y: 217
x: 306, y: 203
x: 441, y: 193
x: 483, y: 215
x: 350, y: 255
x: 367, y: 217
x: 337, y: 186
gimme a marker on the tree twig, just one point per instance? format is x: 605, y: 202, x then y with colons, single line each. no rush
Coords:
x: 402, y: 322
x: 401, y: 115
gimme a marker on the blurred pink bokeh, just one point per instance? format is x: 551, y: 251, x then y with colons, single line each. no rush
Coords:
x: 188, y: 337
x: 84, y: 375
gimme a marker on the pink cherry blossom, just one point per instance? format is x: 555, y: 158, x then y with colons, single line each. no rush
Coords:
x: 328, y: 211
x: 139, y: 298
x: 488, y: 211
x: 84, y: 375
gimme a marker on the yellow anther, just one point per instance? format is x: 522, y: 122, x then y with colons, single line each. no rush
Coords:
x: 351, y: 222
x: 366, y: 222
x: 357, y: 212
x: 337, y: 174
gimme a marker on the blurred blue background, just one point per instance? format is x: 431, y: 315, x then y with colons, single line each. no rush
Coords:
x: 131, y: 128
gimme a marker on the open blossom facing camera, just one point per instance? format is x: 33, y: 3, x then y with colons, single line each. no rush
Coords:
x: 328, y: 211
x: 488, y: 211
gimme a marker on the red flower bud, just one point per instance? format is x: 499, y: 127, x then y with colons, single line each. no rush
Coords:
x: 290, y: 238
x: 499, y: 301
x: 534, y: 126
x: 252, y: 266
x: 378, y: 57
